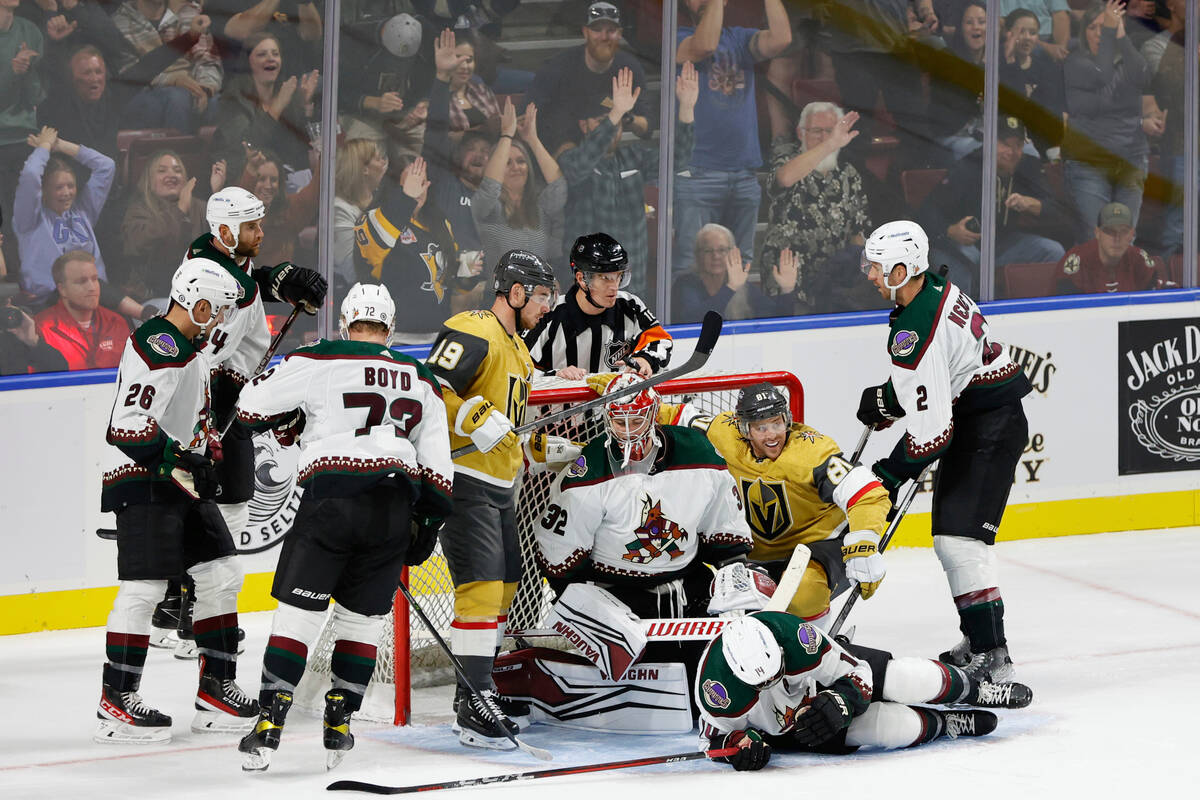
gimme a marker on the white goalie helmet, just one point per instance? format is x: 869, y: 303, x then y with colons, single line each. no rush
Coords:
x: 203, y: 279
x: 900, y: 242
x: 752, y: 652
x: 232, y: 206
x: 370, y: 302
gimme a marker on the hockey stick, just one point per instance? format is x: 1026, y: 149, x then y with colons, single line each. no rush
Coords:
x: 900, y: 511
x: 375, y: 788
x: 710, y: 331
x: 536, y: 752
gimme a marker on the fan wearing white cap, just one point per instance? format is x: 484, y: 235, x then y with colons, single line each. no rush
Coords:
x: 375, y: 466
x: 160, y: 480
x: 959, y: 394
x: 773, y: 681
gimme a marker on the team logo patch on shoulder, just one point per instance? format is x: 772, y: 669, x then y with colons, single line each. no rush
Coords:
x: 807, y: 636
x: 905, y: 343
x: 1071, y: 265
x: 408, y: 237
x: 163, y: 344
x: 715, y: 694
x: 578, y: 468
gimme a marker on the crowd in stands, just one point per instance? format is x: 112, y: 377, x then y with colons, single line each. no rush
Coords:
x: 799, y: 126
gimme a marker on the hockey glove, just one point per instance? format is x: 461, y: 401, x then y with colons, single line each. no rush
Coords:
x: 299, y: 286
x: 600, y: 381
x: 288, y: 431
x: 889, y: 479
x: 481, y: 422
x: 203, y: 473
x: 864, y: 563
x: 424, y: 539
x: 879, y: 407
x: 739, y: 587
x: 551, y: 450
x: 753, y: 753
x: 822, y: 719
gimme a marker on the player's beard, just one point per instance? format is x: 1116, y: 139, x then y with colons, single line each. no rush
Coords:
x: 828, y: 163
x: 244, y: 250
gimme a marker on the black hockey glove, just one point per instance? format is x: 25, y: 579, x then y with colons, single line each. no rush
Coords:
x: 890, y: 481
x: 753, y: 753
x: 878, y: 407
x: 424, y: 539
x: 821, y: 721
x: 203, y: 472
x: 299, y: 286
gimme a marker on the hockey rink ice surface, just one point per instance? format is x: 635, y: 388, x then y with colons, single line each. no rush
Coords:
x: 1105, y: 628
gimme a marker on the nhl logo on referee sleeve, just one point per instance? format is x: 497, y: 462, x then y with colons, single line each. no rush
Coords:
x: 808, y: 639
x: 905, y: 343
x: 715, y: 694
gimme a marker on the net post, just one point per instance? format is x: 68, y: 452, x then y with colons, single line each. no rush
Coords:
x: 401, y: 660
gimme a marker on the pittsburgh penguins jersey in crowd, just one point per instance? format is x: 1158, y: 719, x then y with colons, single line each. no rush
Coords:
x: 811, y: 663
x: 238, y: 343
x: 567, y: 337
x: 802, y: 496
x: 474, y: 356
x: 943, y: 366
x: 638, y: 528
x: 370, y: 413
x: 162, y: 401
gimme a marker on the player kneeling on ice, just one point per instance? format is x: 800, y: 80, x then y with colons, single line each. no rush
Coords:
x: 161, y: 483
x: 375, y: 466
x: 772, y: 680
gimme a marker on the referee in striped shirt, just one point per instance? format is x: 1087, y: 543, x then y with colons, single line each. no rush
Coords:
x: 596, y: 327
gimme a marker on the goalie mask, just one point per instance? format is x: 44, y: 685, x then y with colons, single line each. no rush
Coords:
x: 630, y: 421
x: 900, y: 242
x: 367, y: 302
x: 752, y: 653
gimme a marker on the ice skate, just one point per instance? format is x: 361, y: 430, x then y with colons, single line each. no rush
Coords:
x: 517, y: 711
x: 165, y: 622
x: 993, y: 665
x: 185, y: 647
x: 338, y: 738
x: 260, y: 743
x: 959, y: 655
x: 126, y: 719
x: 222, y: 707
x: 481, y: 723
x: 986, y: 694
x: 967, y: 723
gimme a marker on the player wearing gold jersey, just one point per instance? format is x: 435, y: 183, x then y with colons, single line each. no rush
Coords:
x: 485, y: 371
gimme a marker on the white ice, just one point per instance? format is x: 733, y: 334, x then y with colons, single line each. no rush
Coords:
x: 1105, y: 628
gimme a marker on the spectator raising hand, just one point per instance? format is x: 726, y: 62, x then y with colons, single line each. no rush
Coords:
x: 687, y: 91
x: 787, y: 271
x: 413, y: 179
x: 737, y: 270
x: 624, y: 95
x: 57, y: 27
x: 23, y: 59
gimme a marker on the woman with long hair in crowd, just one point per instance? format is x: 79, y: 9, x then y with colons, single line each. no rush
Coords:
x: 361, y: 165
x: 957, y: 124
x: 473, y: 105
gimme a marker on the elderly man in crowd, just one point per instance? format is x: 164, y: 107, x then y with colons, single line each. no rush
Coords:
x: 1109, y: 262
x: 818, y: 209
x: 720, y: 281
x: 87, y: 335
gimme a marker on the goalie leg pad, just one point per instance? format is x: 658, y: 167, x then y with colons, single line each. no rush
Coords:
x: 887, y: 725
x: 600, y: 627
x: 969, y: 564
x: 565, y: 689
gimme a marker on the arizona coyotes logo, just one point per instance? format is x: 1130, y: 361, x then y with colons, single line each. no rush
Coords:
x: 786, y: 716
x: 655, y: 536
x: 767, y: 510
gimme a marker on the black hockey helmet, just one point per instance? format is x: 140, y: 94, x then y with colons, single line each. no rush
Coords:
x: 760, y: 401
x: 523, y: 267
x: 598, y: 252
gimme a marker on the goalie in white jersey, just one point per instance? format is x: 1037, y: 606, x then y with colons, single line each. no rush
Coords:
x: 960, y: 396
x: 375, y: 466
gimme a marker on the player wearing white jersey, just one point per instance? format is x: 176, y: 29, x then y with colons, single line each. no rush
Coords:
x: 160, y: 481
x: 374, y: 461
x: 772, y: 680
x: 960, y: 395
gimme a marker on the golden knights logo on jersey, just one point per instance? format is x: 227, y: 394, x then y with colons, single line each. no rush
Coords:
x: 767, y: 511
x: 517, y: 400
x: 655, y: 536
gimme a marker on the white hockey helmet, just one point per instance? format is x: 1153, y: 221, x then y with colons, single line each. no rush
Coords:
x: 900, y: 242
x: 367, y: 302
x: 752, y: 652
x: 232, y: 206
x: 204, y: 279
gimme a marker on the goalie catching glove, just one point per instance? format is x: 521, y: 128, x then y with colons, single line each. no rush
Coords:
x: 821, y: 720
x: 480, y: 421
x: 753, y: 753
x: 739, y: 589
x: 864, y: 562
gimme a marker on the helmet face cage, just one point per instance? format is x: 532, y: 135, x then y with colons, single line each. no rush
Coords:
x: 630, y: 421
x: 759, y: 402
x: 367, y: 302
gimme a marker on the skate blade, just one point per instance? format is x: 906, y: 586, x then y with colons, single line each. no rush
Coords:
x: 186, y: 649
x: 472, y: 739
x: 220, y: 722
x: 522, y: 722
x: 333, y: 758
x: 113, y: 732
x: 257, y: 760
x: 163, y: 638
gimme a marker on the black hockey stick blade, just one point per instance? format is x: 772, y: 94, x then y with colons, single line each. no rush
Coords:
x: 710, y: 332
x: 375, y: 788
x: 106, y: 533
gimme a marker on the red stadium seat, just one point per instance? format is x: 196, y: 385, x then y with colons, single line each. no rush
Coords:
x: 1031, y: 280
x: 918, y: 183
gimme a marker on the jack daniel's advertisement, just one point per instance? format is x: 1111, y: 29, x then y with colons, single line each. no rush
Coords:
x: 1159, y: 396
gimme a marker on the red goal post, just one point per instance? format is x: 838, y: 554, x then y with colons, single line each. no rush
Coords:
x: 408, y: 656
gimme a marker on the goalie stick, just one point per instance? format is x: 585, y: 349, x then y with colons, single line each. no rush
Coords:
x: 375, y: 788
x: 536, y: 752
x: 710, y: 331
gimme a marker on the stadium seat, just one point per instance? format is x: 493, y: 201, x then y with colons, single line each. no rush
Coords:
x: 190, y: 149
x: 1031, y: 280
x: 812, y: 90
x: 917, y: 184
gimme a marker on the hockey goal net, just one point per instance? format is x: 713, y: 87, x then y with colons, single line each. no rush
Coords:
x: 408, y: 655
